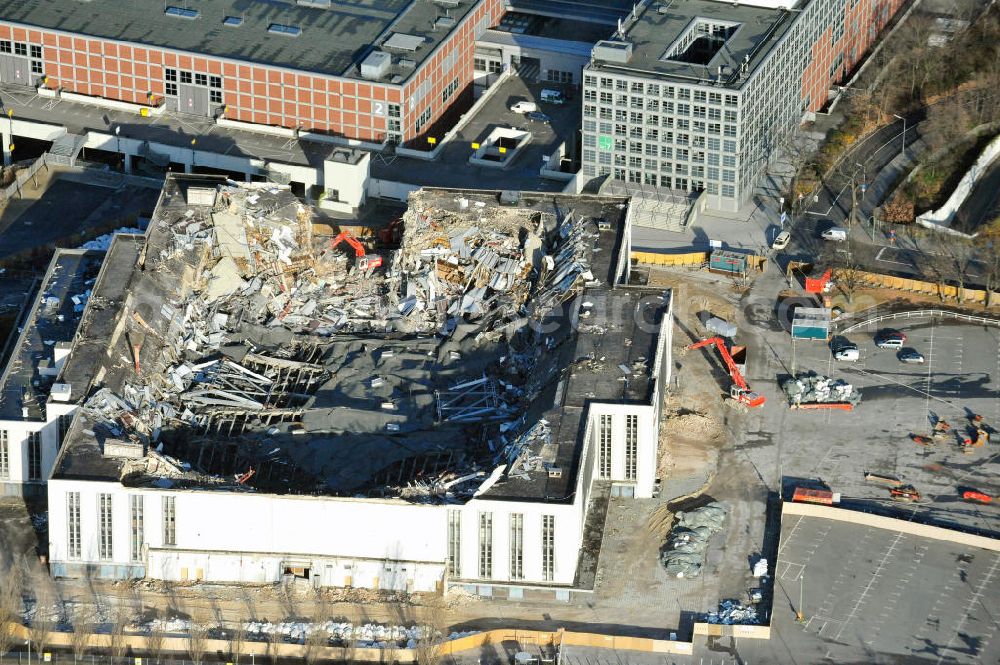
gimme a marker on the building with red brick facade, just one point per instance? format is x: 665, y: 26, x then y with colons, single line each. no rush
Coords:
x: 373, y: 71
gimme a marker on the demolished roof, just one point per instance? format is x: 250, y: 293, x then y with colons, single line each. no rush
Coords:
x: 245, y: 353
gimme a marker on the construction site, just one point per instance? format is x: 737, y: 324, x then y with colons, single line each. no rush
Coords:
x: 241, y: 360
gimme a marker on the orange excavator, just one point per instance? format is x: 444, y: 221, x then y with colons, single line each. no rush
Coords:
x: 739, y: 391
x: 364, y: 261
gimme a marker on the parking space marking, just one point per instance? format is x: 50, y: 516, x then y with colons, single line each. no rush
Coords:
x: 871, y: 582
x: 794, y: 568
x: 878, y: 257
x: 973, y: 601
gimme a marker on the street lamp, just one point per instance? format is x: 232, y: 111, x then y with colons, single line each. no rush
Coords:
x: 28, y: 642
x: 799, y: 614
x: 903, y: 150
x: 118, y: 140
x: 193, y: 142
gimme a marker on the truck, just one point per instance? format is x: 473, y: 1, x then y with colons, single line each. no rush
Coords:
x: 822, y: 497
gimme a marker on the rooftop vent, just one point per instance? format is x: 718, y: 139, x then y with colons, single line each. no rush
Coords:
x: 287, y: 30
x: 61, y: 392
x: 451, y: 4
x: 407, y: 63
x: 233, y: 21
x: 376, y: 65
x: 182, y: 12
x: 444, y: 22
x: 612, y: 51
x: 318, y: 4
x: 403, y: 42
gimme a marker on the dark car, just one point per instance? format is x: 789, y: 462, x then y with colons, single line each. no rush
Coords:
x: 910, y: 356
x: 538, y: 116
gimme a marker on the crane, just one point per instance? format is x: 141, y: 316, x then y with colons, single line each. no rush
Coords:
x: 364, y: 261
x: 739, y: 391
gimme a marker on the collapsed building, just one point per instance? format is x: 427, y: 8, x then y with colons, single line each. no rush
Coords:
x: 254, y: 403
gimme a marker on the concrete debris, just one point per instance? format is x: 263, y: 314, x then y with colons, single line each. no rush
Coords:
x: 814, y: 388
x: 684, y: 555
x: 731, y: 612
x: 260, y: 357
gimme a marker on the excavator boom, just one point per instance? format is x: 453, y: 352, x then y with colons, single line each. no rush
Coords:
x: 364, y: 262
x: 740, y: 390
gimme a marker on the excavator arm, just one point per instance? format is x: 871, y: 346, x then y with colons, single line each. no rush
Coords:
x: 741, y: 390
x: 345, y: 236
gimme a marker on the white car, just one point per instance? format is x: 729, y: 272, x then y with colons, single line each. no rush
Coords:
x: 847, y: 353
x: 781, y: 241
x: 836, y: 234
x: 523, y: 107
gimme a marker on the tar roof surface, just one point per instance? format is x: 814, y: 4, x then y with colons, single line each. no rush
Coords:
x: 652, y: 33
x: 69, y: 274
x: 332, y: 40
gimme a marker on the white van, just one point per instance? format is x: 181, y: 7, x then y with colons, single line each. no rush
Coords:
x: 836, y: 234
x: 552, y: 96
x: 523, y: 107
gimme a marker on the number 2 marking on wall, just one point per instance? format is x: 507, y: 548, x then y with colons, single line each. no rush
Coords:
x: 379, y: 108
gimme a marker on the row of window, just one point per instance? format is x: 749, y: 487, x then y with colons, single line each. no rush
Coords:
x: 490, y: 66
x: 105, y: 519
x: 656, y: 90
x: 604, y: 447
x: 22, y: 49
x: 651, y: 165
x: 679, y: 183
x: 557, y: 76
x: 192, y: 78
x: 449, y: 90
x: 654, y: 106
x: 516, y: 540
x: 34, y: 443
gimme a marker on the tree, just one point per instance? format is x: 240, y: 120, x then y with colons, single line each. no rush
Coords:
x: 43, y: 622
x: 121, y: 614
x: 316, y: 638
x: 83, y: 630
x: 10, y: 605
x: 428, y: 648
x: 197, y: 641
x: 989, y: 257
x: 237, y: 638
x: 957, y: 251
x: 899, y: 209
x: 155, y: 640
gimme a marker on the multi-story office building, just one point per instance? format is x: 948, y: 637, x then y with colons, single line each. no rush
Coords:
x: 375, y: 70
x: 697, y: 96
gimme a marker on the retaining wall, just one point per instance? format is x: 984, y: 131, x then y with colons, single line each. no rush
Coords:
x: 927, y: 288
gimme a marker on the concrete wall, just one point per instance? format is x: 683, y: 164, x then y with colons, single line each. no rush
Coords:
x: 946, y: 213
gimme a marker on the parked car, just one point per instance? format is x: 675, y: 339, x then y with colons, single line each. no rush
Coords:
x: 550, y: 96
x: 847, y: 352
x: 836, y: 234
x: 538, y: 116
x: 889, y: 339
x: 909, y: 355
x: 781, y: 241
x: 523, y: 107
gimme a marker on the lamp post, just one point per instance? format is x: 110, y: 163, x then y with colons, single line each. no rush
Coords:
x: 799, y: 614
x: 28, y: 642
x: 903, y: 149
x: 193, y: 143
x: 118, y: 143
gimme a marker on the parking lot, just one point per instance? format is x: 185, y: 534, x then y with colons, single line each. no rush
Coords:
x: 452, y: 168
x: 958, y: 378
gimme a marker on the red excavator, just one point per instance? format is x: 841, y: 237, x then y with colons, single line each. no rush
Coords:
x: 739, y: 391
x: 364, y: 261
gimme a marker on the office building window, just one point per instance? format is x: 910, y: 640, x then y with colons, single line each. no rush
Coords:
x: 185, y: 77
x: 105, y: 544
x: 138, y: 532
x: 201, y: 79
x: 34, y: 455
x: 517, y: 546
x: 6, y: 46
x: 169, y: 521
x: 485, y: 545
x: 73, y: 525
x: 556, y: 76
x: 631, y: 445
x: 604, y: 447
x: 455, y: 543
x: 20, y: 49
x: 4, y: 455
x: 548, y: 547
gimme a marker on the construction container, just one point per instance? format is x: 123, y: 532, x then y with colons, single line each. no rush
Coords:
x: 804, y: 495
x: 811, y: 323
x: 730, y: 263
x: 818, y: 284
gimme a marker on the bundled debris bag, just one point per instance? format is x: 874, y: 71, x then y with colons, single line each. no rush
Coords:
x: 812, y: 388
x: 732, y: 612
x: 688, y: 540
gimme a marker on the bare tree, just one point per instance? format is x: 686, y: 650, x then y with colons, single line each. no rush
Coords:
x: 428, y: 648
x: 237, y: 638
x: 10, y: 604
x: 121, y: 614
x: 197, y: 642
x: 989, y: 257
x: 83, y: 630
x: 43, y: 621
x: 957, y: 251
x: 316, y: 638
x: 155, y: 639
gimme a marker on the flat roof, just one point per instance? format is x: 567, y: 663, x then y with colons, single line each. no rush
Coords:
x: 330, y: 41
x: 385, y: 384
x: 52, y: 321
x: 757, y: 29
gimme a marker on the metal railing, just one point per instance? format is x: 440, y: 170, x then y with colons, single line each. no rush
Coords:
x: 923, y: 313
x: 22, y: 176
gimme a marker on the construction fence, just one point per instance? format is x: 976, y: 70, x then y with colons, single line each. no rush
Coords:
x: 944, y: 291
x: 217, y: 650
x: 754, y: 261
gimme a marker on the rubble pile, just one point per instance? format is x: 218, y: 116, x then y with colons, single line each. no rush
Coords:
x: 732, y: 612
x: 815, y: 388
x: 684, y: 554
x: 243, y: 324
